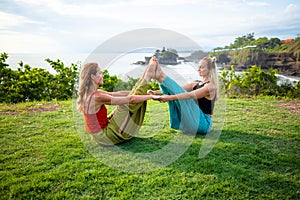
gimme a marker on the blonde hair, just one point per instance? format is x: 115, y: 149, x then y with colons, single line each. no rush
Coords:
x: 213, y: 72
x: 85, y: 82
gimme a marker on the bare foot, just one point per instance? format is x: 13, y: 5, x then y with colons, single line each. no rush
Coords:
x: 150, y: 71
x: 145, y: 72
x: 159, y: 74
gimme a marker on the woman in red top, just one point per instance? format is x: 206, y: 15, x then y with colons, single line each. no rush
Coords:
x: 124, y: 122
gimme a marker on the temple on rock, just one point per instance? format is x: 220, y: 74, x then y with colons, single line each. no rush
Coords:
x: 165, y: 57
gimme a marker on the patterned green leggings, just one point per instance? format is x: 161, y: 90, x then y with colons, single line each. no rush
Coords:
x: 126, y: 120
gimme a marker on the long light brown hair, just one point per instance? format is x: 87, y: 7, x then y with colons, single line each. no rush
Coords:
x: 85, y: 82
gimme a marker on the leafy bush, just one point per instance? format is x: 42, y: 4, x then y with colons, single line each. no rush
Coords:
x: 289, y: 90
x: 62, y: 84
x: 29, y: 84
x: 255, y: 81
x: 113, y: 83
x: 32, y: 84
x: 126, y: 85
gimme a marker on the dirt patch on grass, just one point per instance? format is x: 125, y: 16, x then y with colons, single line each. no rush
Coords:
x: 37, y: 108
x: 293, y: 107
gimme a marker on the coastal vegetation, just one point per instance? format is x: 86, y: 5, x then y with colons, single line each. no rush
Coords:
x: 28, y: 83
x: 165, y: 56
x: 272, y: 45
x: 35, y: 84
x: 256, y: 82
x: 273, y: 53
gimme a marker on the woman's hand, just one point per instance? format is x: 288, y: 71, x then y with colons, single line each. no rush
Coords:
x: 161, y: 98
x: 156, y: 97
x: 151, y: 92
x: 164, y: 98
x: 154, y: 92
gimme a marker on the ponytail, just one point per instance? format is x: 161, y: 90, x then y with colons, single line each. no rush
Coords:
x: 214, y: 75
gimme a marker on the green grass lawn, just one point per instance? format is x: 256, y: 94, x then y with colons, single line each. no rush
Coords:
x: 256, y: 157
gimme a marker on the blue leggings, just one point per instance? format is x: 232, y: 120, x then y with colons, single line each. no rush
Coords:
x: 185, y: 115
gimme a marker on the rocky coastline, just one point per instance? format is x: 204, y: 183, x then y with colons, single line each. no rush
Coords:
x: 287, y: 64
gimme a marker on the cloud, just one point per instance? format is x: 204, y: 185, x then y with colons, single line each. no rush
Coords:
x: 163, y: 3
x: 78, y: 25
x: 10, y: 20
x: 119, y: 9
x: 179, y: 15
x: 256, y: 3
x: 18, y: 42
x: 292, y: 8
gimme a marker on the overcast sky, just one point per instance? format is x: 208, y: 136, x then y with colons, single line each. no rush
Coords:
x: 73, y: 26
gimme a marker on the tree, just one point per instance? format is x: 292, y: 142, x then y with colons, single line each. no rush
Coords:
x: 243, y: 40
x: 262, y: 41
x: 274, y: 42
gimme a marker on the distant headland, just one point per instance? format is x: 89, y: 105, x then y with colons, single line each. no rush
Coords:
x: 282, y: 55
x: 170, y: 56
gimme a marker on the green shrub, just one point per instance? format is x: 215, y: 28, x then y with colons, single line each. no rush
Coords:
x: 35, y: 84
x: 255, y: 81
x: 30, y: 84
x: 62, y: 84
x: 112, y: 83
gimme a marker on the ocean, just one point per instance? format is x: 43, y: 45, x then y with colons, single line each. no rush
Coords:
x: 121, y: 65
x: 38, y: 60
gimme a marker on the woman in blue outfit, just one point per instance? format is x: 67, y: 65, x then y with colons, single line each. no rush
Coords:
x: 191, y: 106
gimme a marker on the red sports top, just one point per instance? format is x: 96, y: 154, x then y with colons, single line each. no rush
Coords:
x: 97, y: 121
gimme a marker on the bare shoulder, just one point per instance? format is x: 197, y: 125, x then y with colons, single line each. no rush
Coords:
x: 194, y: 83
x: 212, y: 89
x: 190, y: 86
x: 99, y: 91
x: 101, y: 95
